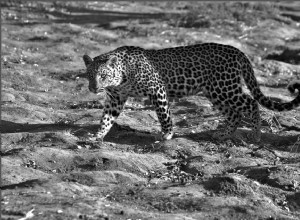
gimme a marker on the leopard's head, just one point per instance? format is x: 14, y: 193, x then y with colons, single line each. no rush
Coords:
x: 102, y: 71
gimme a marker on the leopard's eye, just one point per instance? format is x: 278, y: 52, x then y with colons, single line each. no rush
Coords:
x: 103, y: 76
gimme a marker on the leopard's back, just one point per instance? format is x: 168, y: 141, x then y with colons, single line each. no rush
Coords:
x: 188, y: 70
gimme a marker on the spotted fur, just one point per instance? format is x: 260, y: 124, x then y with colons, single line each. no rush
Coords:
x: 214, y: 69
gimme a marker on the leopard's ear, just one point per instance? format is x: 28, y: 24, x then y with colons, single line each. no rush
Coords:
x: 87, y: 60
x: 112, y: 61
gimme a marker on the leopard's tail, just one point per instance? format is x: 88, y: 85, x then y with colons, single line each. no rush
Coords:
x: 251, y: 82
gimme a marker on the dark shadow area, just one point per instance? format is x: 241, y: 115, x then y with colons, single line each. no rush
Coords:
x: 277, y: 141
x: 129, y: 136
x: 293, y: 15
x: 123, y: 134
x: 274, y: 141
x: 12, y: 127
x: 118, y: 134
x: 25, y: 184
x: 11, y: 152
x: 263, y: 175
x: 204, y: 135
x: 288, y: 56
x: 291, y: 128
x: 294, y: 201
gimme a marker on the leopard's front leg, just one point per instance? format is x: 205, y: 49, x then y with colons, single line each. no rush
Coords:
x: 162, y: 108
x: 112, y: 109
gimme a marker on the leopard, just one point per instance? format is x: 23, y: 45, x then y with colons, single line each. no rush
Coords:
x: 214, y: 69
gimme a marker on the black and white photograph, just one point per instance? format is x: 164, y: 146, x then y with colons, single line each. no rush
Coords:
x: 163, y: 110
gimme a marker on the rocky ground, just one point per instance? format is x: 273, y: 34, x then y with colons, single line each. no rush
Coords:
x: 50, y: 170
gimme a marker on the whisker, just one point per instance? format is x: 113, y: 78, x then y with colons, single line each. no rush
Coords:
x: 108, y: 94
x: 100, y: 92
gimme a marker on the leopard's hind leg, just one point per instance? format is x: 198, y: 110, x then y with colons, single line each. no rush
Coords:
x: 251, y: 109
x: 162, y: 107
x: 233, y: 118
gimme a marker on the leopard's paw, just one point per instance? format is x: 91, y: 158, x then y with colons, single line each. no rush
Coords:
x: 168, y: 135
x: 95, y: 138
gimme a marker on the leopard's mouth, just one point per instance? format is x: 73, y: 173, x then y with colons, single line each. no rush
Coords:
x: 100, y: 91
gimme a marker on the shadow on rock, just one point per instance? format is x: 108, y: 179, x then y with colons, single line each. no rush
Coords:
x: 25, y: 184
